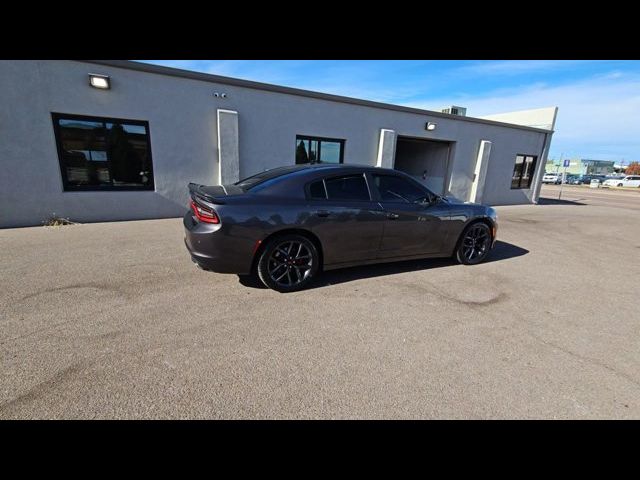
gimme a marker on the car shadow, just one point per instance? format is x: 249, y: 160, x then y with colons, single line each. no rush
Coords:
x: 501, y: 251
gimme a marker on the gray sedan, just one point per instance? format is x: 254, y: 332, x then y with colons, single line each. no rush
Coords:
x: 289, y: 223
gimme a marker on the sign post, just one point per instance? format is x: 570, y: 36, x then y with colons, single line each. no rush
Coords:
x: 565, y: 164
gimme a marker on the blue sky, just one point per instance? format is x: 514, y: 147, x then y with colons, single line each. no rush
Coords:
x: 599, y: 101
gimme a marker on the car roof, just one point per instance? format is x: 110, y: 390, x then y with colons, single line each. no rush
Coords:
x: 327, y: 168
x: 278, y: 181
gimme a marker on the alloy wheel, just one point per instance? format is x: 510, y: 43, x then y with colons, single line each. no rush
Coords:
x: 475, y: 243
x: 290, y: 263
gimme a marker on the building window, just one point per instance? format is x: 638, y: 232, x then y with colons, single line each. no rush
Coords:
x: 103, y: 153
x: 523, y: 171
x: 319, y: 150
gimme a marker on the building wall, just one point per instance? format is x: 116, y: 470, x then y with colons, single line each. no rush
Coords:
x: 182, y: 116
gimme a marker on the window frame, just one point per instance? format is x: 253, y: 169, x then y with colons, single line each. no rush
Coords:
x: 66, y: 187
x: 307, y: 188
x: 341, y: 141
x: 531, y: 174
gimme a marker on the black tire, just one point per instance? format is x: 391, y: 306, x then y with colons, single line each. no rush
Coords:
x: 619, y: 184
x: 288, y: 263
x: 473, y: 252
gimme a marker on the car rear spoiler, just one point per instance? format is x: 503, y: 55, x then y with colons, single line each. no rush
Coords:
x: 211, y: 194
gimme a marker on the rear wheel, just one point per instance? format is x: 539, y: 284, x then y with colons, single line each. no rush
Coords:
x: 288, y: 263
x: 619, y: 184
x: 474, y: 245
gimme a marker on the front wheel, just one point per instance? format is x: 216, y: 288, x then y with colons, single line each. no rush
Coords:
x: 619, y: 184
x: 474, y: 245
x: 288, y: 263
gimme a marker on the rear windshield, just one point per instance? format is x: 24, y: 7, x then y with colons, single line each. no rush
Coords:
x: 250, y: 182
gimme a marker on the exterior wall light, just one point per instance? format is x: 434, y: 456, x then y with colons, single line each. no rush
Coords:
x: 430, y: 126
x: 99, y: 81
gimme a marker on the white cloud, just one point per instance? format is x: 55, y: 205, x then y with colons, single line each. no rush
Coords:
x: 517, y: 67
x: 597, y: 117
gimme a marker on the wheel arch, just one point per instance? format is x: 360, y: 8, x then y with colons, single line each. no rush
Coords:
x: 486, y: 220
x: 288, y: 231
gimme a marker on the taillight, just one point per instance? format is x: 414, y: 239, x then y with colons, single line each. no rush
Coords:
x: 204, y: 213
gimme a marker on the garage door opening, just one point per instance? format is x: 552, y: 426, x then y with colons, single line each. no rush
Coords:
x: 425, y: 160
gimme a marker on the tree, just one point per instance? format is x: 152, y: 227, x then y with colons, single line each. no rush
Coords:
x: 301, y: 153
x: 633, y: 169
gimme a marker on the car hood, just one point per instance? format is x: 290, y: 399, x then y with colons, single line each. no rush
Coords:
x: 456, y: 201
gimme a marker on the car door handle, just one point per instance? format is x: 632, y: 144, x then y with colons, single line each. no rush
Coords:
x: 393, y: 216
x: 322, y: 213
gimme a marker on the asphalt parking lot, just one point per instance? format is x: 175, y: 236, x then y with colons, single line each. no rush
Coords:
x: 112, y: 320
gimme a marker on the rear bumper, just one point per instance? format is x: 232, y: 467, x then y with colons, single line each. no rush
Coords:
x: 214, y: 249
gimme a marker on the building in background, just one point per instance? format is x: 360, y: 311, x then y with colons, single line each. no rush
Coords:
x: 583, y: 166
x: 120, y: 140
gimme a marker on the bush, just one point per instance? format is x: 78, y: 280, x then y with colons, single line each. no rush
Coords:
x: 55, y: 221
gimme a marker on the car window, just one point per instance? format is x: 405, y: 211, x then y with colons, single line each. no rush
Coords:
x: 250, y: 182
x: 397, y: 189
x: 349, y: 187
x: 316, y: 190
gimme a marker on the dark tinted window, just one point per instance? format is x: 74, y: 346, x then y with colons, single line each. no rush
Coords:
x: 98, y: 153
x: 397, y: 189
x: 318, y: 150
x: 316, y: 190
x: 523, y: 171
x: 249, y: 182
x: 351, y: 187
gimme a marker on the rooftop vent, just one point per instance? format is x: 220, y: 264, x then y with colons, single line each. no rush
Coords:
x: 453, y: 110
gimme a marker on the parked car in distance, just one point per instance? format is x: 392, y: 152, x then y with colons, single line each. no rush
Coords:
x: 628, y: 181
x: 288, y: 224
x: 570, y: 178
x: 552, y: 178
x: 586, y: 179
x: 613, y: 180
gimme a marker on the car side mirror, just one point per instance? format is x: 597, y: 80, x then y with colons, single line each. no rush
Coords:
x: 428, y: 201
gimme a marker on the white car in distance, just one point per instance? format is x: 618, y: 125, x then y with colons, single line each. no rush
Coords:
x: 628, y: 181
x: 552, y: 178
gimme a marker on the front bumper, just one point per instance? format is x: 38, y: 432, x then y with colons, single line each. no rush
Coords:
x: 494, y: 233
